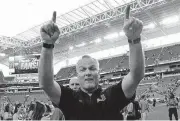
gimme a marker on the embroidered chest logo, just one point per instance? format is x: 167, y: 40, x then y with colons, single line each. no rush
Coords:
x: 102, y: 98
x: 80, y: 101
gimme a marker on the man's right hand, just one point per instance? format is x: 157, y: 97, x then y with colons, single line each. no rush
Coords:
x: 50, y: 32
x: 132, y: 26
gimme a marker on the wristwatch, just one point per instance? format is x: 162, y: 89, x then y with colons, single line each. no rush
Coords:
x: 134, y: 41
x: 45, y: 45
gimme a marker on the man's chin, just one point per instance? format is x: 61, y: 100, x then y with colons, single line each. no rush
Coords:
x: 90, y: 87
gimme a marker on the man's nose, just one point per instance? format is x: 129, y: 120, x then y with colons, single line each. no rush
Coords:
x: 88, y: 73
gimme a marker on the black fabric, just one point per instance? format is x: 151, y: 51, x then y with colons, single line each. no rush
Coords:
x: 137, y: 108
x: 45, y: 45
x: 173, y: 111
x: 101, y: 105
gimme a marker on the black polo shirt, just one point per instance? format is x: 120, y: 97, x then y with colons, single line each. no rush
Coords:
x: 101, y: 105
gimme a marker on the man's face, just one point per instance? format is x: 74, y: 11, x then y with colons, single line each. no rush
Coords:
x: 21, y: 109
x: 88, y: 74
x: 74, y: 84
x: 16, y: 102
x: 10, y: 107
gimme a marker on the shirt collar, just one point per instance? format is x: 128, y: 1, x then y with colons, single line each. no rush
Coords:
x: 97, y: 92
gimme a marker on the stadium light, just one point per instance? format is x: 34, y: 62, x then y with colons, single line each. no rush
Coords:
x: 11, y: 58
x: 81, y: 45
x: 35, y: 54
x: 111, y: 36
x: 91, y: 42
x: 12, y: 70
x: 97, y: 40
x: 2, y: 54
x: 121, y: 33
x: 71, y: 48
x: 149, y: 26
x: 170, y: 20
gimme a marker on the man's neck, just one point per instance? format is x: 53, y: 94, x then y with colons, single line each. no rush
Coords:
x: 89, y: 92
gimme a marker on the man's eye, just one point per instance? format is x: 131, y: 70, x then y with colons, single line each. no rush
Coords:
x: 93, y: 68
x: 82, y: 69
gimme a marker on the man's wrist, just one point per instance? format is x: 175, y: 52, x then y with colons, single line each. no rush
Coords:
x: 48, y: 46
x: 135, y: 41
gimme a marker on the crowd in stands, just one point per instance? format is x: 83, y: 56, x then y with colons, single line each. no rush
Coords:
x: 120, y: 63
x: 35, y: 110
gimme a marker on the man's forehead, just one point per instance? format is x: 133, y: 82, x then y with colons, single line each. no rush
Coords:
x: 74, y: 81
x: 86, y: 62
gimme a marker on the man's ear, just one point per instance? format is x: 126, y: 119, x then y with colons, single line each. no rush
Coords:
x: 99, y: 74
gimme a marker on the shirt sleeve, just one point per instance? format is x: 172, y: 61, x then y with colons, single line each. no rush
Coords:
x: 116, y: 98
x: 67, y: 101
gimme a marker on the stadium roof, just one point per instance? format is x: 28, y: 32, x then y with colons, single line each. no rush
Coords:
x: 64, y: 19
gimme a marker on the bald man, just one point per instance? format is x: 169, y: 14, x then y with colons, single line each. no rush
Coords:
x: 74, y: 84
x: 91, y: 102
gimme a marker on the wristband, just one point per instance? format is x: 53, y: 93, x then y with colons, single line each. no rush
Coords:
x: 134, y: 41
x: 45, y: 45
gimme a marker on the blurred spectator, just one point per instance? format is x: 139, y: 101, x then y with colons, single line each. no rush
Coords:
x: 133, y: 111
x: 38, y: 112
x: 172, y: 105
x: 144, y: 107
x: 19, y: 112
x: 30, y: 110
x: 74, y: 84
x: 154, y: 102
x: 8, y: 112
x: 46, y: 115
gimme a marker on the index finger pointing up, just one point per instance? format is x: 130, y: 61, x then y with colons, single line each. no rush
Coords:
x: 54, y: 17
x: 127, y: 14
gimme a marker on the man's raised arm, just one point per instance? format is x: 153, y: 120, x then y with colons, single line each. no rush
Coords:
x: 49, y: 34
x: 133, y: 28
